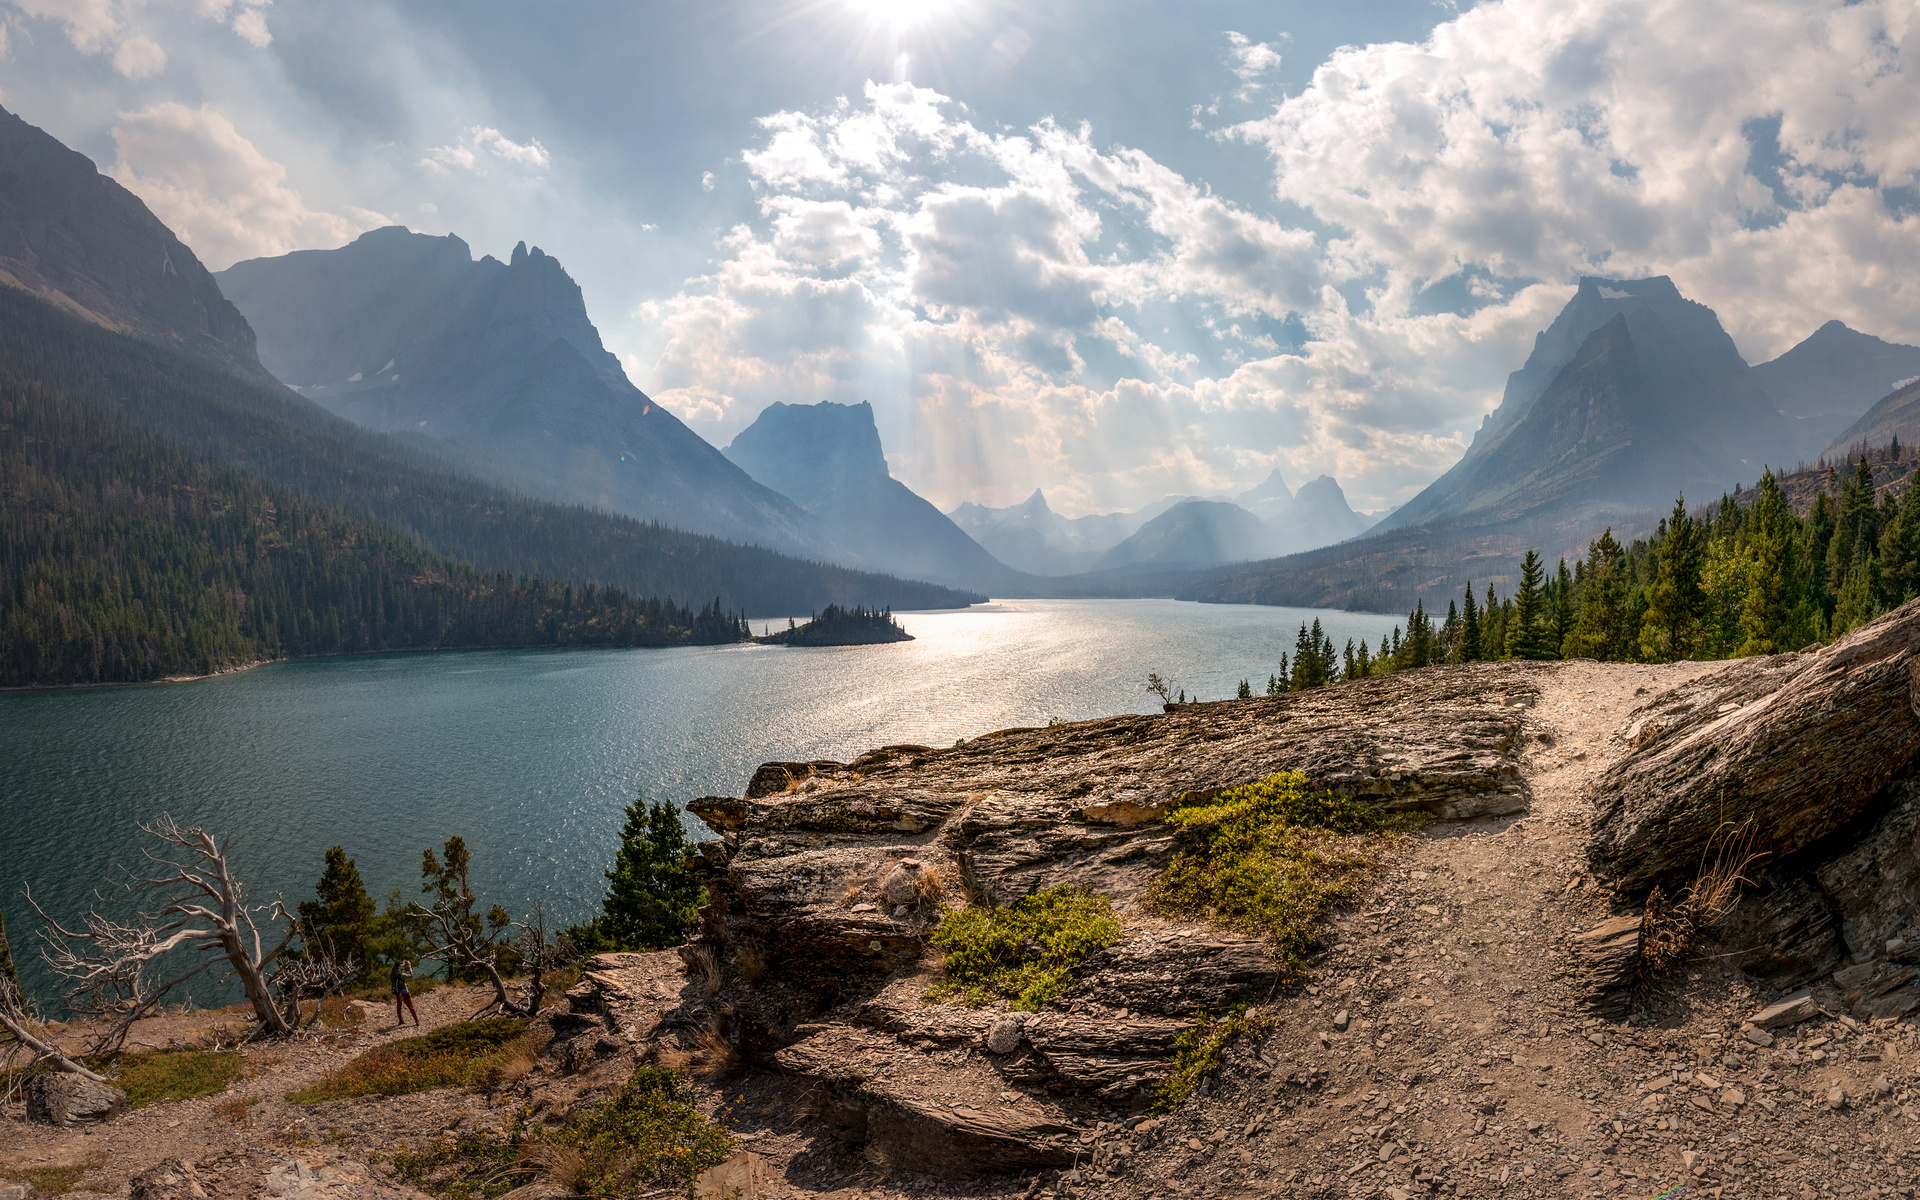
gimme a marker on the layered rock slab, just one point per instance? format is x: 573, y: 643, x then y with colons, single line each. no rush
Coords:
x: 829, y: 878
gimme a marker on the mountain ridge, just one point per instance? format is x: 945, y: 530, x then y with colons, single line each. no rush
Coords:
x: 500, y: 362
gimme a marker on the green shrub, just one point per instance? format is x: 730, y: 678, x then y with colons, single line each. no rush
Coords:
x: 650, y: 1136
x: 458, y: 1055
x: 1269, y: 859
x: 174, y: 1075
x: 1026, y: 952
x: 55, y: 1181
x: 1200, y: 1050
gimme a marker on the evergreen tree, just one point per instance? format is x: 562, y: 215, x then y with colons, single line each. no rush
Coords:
x: 1858, y: 600
x: 1562, y: 612
x: 1246, y: 691
x: 1274, y: 687
x: 1419, y: 645
x: 446, y: 881
x: 1286, y: 673
x: 1675, y: 602
x: 1526, y: 631
x: 1900, y: 551
x: 651, y: 903
x: 1363, y: 661
x: 1470, y: 628
x: 1773, y: 616
x: 1309, y: 663
x: 342, y: 916
x: 1604, y: 628
x: 1348, y: 664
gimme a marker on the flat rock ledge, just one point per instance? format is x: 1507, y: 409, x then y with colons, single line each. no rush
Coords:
x: 828, y: 877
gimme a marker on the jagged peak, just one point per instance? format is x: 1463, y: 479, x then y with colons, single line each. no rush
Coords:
x: 1653, y: 287
x: 519, y: 254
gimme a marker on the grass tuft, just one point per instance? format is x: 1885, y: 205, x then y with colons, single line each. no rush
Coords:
x: 1025, y: 953
x: 650, y: 1136
x: 158, y: 1075
x: 466, y: 1054
x: 56, y: 1181
x: 1200, y: 1050
x: 1269, y: 859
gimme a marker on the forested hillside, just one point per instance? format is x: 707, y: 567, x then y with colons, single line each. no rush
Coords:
x: 288, y: 441
x: 125, y: 558
x: 1752, y: 574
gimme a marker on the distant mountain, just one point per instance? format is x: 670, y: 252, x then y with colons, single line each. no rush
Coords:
x: 1031, y: 537
x: 1665, y: 372
x: 1194, y: 533
x: 500, y: 365
x: 1318, y: 516
x: 80, y: 241
x: 1837, y: 374
x: 828, y: 459
x: 273, y: 434
x: 1268, y: 499
x: 1897, y: 415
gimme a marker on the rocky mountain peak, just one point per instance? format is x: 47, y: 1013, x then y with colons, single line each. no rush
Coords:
x: 76, y: 238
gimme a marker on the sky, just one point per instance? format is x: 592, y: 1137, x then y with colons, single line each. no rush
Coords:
x: 1114, y: 250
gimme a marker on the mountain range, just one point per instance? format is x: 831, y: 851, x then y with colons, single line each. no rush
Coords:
x: 828, y: 459
x: 498, y: 364
x: 297, y: 531
x: 1632, y: 396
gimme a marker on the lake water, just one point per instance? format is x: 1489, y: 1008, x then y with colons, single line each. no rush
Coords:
x: 531, y: 755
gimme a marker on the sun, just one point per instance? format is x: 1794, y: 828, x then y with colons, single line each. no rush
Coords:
x: 900, y: 14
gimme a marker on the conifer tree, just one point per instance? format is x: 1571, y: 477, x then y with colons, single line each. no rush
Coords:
x: 1347, y: 663
x: 1363, y: 660
x: 1858, y: 600
x: 1470, y: 628
x: 1526, y: 634
x: 1245, y: 692
x: 1773, y: 598
x: 1675, y: 602
x: 651, y: 902
x: 1419, y: 636
x: 1286, y: 673
x: 1562, y: 612
x: 342, y: 916
x: 1900, y: 550
x: 1604, y: 628
x: 1274, y: 687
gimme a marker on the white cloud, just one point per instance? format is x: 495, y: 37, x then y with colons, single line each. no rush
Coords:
x: 215, y: 190
x: 706, y: 181
x: 483, y: 147
x: 1250, y: 61
x: 108, y: 27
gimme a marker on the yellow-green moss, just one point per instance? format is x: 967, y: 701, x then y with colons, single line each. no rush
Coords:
x: 1025, y: 953
x: 1200, y: 1050
x: 1268, y: 859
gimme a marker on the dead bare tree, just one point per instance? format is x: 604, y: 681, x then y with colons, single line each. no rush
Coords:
x: 317, y: 972
x: 456, y: 934
x: 540, y: 955
x: 197, y: 905
x: 30, y: 1036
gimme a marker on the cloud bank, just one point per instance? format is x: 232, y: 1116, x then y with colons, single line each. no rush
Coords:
x: 1031, y: 307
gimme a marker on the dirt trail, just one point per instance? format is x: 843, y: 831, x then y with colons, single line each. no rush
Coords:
x: 1465, y: 1069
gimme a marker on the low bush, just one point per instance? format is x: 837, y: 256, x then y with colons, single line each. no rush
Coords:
x: 158, y: 1075
x: 1200, y: 1050
x: 466, y: 1054
x: 649, y: 1136
x: 1025, y: 953
x: 56, y: 1181
x: 1269, y: 859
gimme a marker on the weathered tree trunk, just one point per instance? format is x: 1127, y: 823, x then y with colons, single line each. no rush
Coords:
x: 1797, y: 745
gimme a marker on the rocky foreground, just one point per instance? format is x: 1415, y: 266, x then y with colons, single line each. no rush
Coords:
x: 1492, y: 1019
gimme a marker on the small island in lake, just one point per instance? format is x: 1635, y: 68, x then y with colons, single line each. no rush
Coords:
x: 837, y: 626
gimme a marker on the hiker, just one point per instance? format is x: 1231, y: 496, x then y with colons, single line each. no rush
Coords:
x: 402, y: 971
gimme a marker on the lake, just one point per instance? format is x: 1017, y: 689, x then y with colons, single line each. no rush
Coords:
x: 530, y: 755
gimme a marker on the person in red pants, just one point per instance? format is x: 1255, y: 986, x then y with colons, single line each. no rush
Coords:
x: 402, y: 971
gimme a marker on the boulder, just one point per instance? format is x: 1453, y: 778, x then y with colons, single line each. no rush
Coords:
x: 14, y: 1189
x: 1790, y: 1011
x: 742, y: 1177
x: 171, y: 1179
x: 1792, y: 748
x: 63, y: 1098
x: 1605, y: 963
